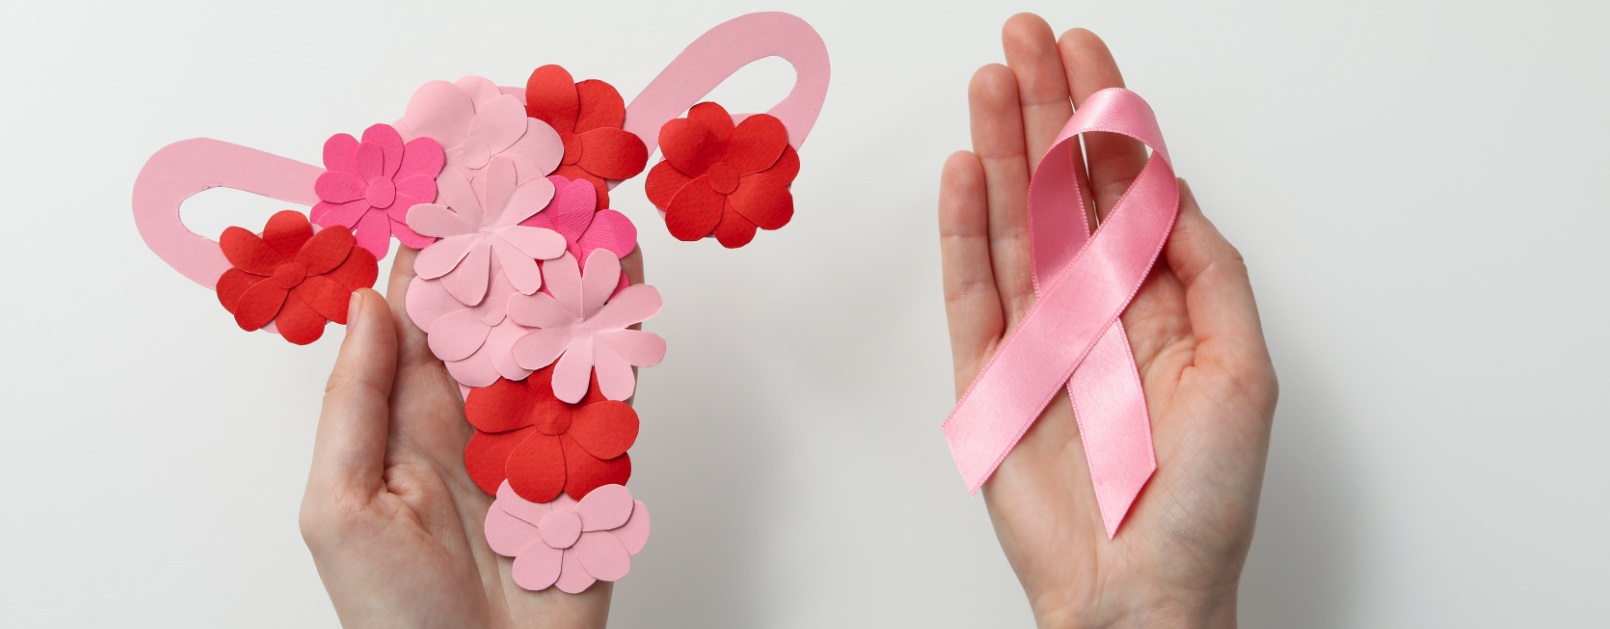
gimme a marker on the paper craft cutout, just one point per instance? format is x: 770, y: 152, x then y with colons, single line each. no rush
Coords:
x: 291, y: 276
x: 478, y: 125
x: 568, y: 544
x: 575, y: 215
x: 721, y: 180
x: 475, y: 343
x: 585, y: 329
x: 1072, y: 338
x: 542, y: 445
x: 476, y: 222
x: 370, y: 185
x: 588, y: 116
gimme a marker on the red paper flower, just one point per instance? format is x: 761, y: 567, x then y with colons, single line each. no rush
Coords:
x: 717, y: 179
x: 588, y: 116
x: 544, y: 446
x: 291, y: 276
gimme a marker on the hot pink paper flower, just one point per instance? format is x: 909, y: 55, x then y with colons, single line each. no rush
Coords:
x: 369, y: 185
x: 478, y: 125
x: 477, y: 221
x: 568, y: 543
x: 584, y: 328
x: 476, y: 343
x: 575, y: 214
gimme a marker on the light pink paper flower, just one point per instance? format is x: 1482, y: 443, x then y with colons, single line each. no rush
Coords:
x: 476, y: 343
x: 585, y: 329
x: 477, y: 125
x: 567, y: 543
x: 476, y: 221
x: 369, y: 186
x: 575, y: 215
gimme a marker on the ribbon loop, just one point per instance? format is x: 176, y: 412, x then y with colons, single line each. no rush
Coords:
x: 1071, y: 339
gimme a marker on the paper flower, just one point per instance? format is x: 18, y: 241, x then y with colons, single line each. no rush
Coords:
x: 567, y: 543
x: 369, y: 185
x: 588, y: 116
x: 721, y: 180
x: 543, y: 445
x: 474, y: 342
x: 478, y: 221
x: 584, y: 328
x: 292, y: 277
x: 575, y: 215
x: 478, y: 125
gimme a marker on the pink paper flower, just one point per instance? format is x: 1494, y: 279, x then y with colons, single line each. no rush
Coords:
x: 369, y: 186
x: 585, y: 329
x: 478, y: 125
x: 476, y: 221
x: 574, y: 213
x: 568, y: 543
x: 476, y: 343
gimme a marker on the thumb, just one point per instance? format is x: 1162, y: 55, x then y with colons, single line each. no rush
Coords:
x: 350, y: 446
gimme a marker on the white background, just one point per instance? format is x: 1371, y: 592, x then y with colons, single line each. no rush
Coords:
x: 1419, y: 189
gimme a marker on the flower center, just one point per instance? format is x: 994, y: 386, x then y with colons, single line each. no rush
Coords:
x: 381, y: 192
x: 560, y: 529
x: 723, y: 178
x: 289, y: 275
x: 572, y: 148
x: 554, y: 418
x: 475, y: 152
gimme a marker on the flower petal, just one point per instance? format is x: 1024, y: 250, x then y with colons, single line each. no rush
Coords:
x: 339, y: 151
x: 636, y: 347
x: 442, y: 256
x: 526, y: 201
x: 695, y: 211
x: 258, y: 305
x: 551, y: 96
x: 407, y: 236
x: 764, y: 200
x: 563, y: 277
x: 500, y: 345
x: 573, y: 576
x: 390, y: 143
x: 713, y: 117
x: 664, y: 181
x: 605, y: 429
x: 604, y: 556
x: 689, y: 146
x: 286, y: 232
x: 598, y: 281
x: 441, y: 111
x: 612, y: 232
x: 534, y: 242
x: 486, y: 456
x: 616, y: 380
x: 734, y: 230
x: 325, y: 251
x: 573, y: 371
x: 504, y: 406
x: 456, y: 191
x: 585, y: 472
x: 601, y: 106
x: 787, y: 166
x: 505, y: 534
x: 327, y: 214
x: 467, y: 282
x: 431, y: 219
x: 457, y: 335
x: 519, y: 268
x: 536, y: 468
x: 525, y: 510
x: 635, y: 304
x: 498, y: 182
x: 326, y: 297
x: 476, y: 371
x: 499, y: 122
x: 370, y: 162
x: 634, y: 533
x: 298, y: 322
x: 374, y: 233
x: 422, y: 157
x: 756, y: 144
x: 339, y: 187
x: 358, y: 271
x: 572, y: 209
x: 249, y: 253
x: 538, y: 566
x: 540, y: 348
x: 538, y: 152
x: 605, y: 508
x: 612, y: 153
x: 540, y: 311
x: 232, y: 284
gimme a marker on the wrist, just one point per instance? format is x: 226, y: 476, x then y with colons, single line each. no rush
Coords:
x: 1215, y: 610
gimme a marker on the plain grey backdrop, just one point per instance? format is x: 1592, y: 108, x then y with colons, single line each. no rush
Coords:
x: 1418, y: 188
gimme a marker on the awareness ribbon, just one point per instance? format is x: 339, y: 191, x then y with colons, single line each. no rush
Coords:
x: 1072, y: 337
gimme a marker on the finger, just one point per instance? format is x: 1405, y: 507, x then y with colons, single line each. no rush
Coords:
x: 413, y: 348
x: 632, y: 264
x: 1042, y: 87
x: 349, y: 447
x: 972, y: 305
x: 997, y: 124
x: 1218, y: 294
x: 1114, y: 160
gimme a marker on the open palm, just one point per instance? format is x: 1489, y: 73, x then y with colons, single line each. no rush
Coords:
x: 1197, y: 341
x: 393, y: 520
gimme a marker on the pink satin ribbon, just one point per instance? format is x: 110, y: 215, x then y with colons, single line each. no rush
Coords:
x: 1072, y: 337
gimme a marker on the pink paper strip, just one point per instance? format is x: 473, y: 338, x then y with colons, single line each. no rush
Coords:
x: 184, y: 168
x: 1072, y: 337
x: 724, y: 50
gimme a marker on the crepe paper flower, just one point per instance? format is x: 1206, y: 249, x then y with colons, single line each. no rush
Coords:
x: 584, y: 328
x: 369, y: 185
x: 476, y: 222
x: 588, y: 116
x: 474, y: 342
x: 543, y: 445
x: 568, y: 543
x: 723, y: 180
x: 575, y: 214
x: 477, y: 124
x: 292, y: 277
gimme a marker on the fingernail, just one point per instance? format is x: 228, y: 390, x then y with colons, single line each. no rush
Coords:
x: 354, y: 307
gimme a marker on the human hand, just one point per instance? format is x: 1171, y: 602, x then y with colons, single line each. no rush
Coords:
x: 391, y: 517
x: 1197, y: 341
